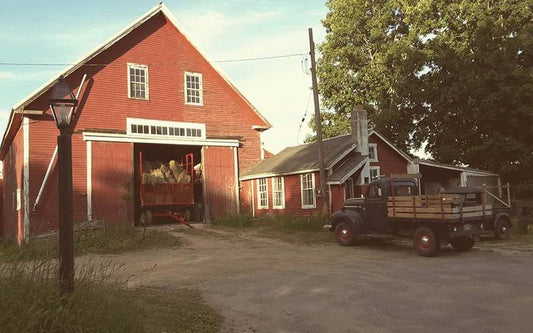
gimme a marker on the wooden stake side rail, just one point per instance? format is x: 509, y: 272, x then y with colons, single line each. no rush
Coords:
x: 447, y: 206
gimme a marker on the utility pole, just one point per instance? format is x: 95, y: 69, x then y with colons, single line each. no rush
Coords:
x: 318, y: 124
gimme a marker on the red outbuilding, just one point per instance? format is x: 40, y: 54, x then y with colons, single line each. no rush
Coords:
x: 154, y: 115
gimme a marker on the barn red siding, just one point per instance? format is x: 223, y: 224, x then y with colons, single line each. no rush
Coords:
x: 389, y: 160
x: 293, y: 198
x: 337, y: 197
x: 220, y: 181
x: 112, y: 182
x: 12, y: 180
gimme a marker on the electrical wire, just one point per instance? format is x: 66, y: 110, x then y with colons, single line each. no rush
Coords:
x: 305, y: 115
x: 6, y: 63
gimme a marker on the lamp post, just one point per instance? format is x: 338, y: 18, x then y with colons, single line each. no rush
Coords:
x: 62, y: 104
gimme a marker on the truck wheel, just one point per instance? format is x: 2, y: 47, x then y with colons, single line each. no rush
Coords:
x: 145, y: 218
x: 502, y: 228
x: 344, y: 234
x: 462, y: 244
x: 426, y: 242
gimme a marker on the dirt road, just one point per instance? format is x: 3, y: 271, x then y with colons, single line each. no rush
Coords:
x: 265, y: 285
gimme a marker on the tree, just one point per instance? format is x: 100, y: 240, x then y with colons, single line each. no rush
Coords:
x: 455, y: 74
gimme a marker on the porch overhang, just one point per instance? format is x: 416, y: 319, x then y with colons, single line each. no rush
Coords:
x: 117, y: 137
x: 346, y: 170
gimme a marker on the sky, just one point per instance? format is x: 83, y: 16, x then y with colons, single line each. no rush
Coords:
x: 44, y: 31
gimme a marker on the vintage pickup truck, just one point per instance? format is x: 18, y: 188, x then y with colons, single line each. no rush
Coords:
x: 393, y: 208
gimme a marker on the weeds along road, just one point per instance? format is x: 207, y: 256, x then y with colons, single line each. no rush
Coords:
x: 266, y: 285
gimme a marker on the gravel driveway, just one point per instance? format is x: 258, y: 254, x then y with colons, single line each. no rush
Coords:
x: 265, y: 285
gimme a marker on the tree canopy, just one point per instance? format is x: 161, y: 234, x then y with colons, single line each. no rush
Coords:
x: 456, y: 75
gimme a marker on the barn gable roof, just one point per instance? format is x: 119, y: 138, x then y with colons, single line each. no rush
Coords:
x: 302, y: 158
x: 17, y: 110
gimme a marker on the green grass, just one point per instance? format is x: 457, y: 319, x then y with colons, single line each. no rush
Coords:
x: 30, y: 302
x: 104, y: 240
x: 306, y: 230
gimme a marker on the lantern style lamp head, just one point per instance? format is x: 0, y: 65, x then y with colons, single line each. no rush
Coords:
x: 62, y: 103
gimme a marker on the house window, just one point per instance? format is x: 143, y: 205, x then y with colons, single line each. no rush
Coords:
x: 374, y: 173
x: 138, y: 81
x: 262, y: 193
x: 193, y: 89
x: 373, y: 152
x: 308, y: 190
x: 278, y: 193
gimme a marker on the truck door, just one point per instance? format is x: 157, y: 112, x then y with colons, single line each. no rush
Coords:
x: 376, y: 209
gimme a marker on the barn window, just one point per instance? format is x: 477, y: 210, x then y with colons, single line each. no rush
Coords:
x: 262, y: 193
x: 308, y: 190
x: 373, y: 152
x: 193, y: 89
x: 374, y: 173
x: 138, y: 81
x: 278, y: 193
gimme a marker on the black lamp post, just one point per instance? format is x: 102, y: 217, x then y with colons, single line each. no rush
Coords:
x: 62, y: 104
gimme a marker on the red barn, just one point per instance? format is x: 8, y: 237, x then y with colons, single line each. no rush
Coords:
x: 148, y: 94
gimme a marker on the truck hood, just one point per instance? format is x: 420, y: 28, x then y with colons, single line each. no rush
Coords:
x: 354, y: 201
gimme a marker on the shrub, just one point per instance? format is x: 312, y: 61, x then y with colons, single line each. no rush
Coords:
x: 234, y: 221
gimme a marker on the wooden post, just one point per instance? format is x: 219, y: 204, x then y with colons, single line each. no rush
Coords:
x: 318, y: 123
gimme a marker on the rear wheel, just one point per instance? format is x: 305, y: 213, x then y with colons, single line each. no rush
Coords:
x: 344, y: 234
x: 145, y: 218
x: 502, y: 228
x: 463, y: 244
x: 425, y: 242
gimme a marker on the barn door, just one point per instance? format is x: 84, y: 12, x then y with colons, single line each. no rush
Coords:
x: 220, y: 182
x: 111, y: 182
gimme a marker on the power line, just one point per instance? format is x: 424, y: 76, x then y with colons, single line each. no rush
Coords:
x: 5, y: 63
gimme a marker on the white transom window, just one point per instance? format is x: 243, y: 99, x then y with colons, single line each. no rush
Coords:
x: 193, y: 89
x: 137, y: 81
x: 278, y: 193
x: 262, y: 193
x: 307, y: 182
x: 161, y: 128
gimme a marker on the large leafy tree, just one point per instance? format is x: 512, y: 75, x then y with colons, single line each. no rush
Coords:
x: 456, y: 75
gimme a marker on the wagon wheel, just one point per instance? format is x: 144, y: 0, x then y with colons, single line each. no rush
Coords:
x: 425, y: 242
x: 145, y: 218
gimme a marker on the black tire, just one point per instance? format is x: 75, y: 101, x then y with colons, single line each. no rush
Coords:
x: 463, y: 244
x: 344, y: 234
x: 426, y: 242
x: 502, y: 228
x: 145, y: 218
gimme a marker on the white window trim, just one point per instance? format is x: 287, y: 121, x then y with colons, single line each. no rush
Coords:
x: 200, y: 76
x: 378, y: 173
x: 259, y: 206
x: 375, y: 146
x: 302, y: 191
x: 147, y: 90
x: 282, y: 206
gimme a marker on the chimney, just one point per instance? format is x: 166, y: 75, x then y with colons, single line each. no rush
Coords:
x: 360, y: 129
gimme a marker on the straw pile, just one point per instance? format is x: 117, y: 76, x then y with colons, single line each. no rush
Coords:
x: 164, y: 173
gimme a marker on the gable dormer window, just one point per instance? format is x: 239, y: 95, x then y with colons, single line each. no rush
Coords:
x: 194, y: 94
x: 137, y: 81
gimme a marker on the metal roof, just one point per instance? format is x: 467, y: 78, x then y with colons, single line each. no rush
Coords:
x: 302, y: 158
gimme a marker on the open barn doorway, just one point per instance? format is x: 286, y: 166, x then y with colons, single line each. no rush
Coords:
x: 168, y: 184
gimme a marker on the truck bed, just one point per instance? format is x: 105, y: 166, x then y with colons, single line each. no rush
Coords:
x: 447, y: 207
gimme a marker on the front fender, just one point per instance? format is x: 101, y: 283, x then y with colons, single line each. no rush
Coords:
x: 346, y: 215
x: 501, y: 215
